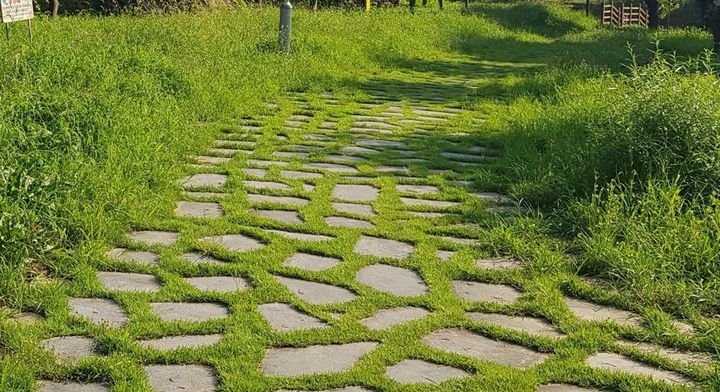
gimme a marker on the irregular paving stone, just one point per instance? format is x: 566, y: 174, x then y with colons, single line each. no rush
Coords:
x: 393, y: 280
x: 492, y: 197
x: 308, y: 187
x: 428, y: 215
x: 379, y: 143
x: 375, y: 124
x: 235, y: 242
x: 331, y: 167
x: 417, y: 189
x: 292, y: 362
x: 358, y: 150
x: 295, y: 174
x: 346, y: 389
x: 290, y: 154
x: 621, y: 363
x: 498, y: 263
x: 386, y: 318
x: 485, y: 292
x: 302, y: 236
x: 266, y: 185
x: 413, y: 371
x: 683, y: 327
x: 316, y: 293
x: 462, y: 157
x: 70, y: 348
x: 456, y: 240
x: 338, y: 221
x: 150, y: 237
x: 208, y: 180
x: 344, y: 158
x: 409, y: 201
x: 133, y: 256
x: 383, y: 247
x: 69, y: 386
x: 99, y: 311
x: 189, y: 311
x: 168, y: 343
x: 266, y: 163
x: 392, y: 169
x: 287, y: 200
x: 588, y: 311
x: 228, y: 152
x: 445, y: 255
x: 564, y: 388
x: 220, y: 284
x: 175, y: 378
x: 463, y: 342
x: 355, y: 192
x: 198, y: 209
x: 235, y: 143
x: 310, y: 262
x: 350, y: 208
x: 285, y: 318
x: 689, y: 358
x: 205, y: 195
x: 530, y: 325
x: 25, y: 318
x: 199, y: 258
x: 370, y: 130
x: 259, y: 173
x: 291, y: 217
x: 129, y: 282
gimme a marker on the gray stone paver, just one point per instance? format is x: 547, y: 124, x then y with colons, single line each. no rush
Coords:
x: 498, y: 263
x: 150, y: 237
x: 292, y: 362
x: 288, y: 200
x: 564, y: 388
x: 339, y: 221
x: 177, y: 378
x: 258, y: 173
x: 285, y: 318
x: 220, y: 284
x: 413, y: 202
x: 620, y: 363
x: 531, y: 325
x: 383, y: 247
x: 70, y: 348
x: 346, y: 389
x: 198, y: 209
x: 316, y: 293
x: 485, y: 292
x: 417, y: 189
x: 392, y: 280
x: 296, y: 174
x: 331, y: 167
x: 301, y: 236
x: 589, y: 311
x: 355, y: 192
x: 290, y: 217
x: 235, y: 242
x: 128, y: 282
x: 386, y: 318
x: 168, y: 343
x: 99, y: 311
x: 70, y: 386
x: 380, y: 143
x: 133, y: 256
x: 351, y: 208
x: 271, y: 185
x: 204, y: 180
x: 266, y: 163
x: 445, y: 255
x: 310, y: 262
x: 200, y: 259
x: 189, y: 311
x: 688, y: 358
x: 416, y: 371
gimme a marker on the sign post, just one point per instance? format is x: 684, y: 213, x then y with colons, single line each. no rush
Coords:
x: 16, y: 11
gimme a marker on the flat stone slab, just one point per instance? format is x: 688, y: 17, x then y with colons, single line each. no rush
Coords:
x: 386, y: 318
x: 285, y: 318
x: 266, y: 163
x: 485, y: 292
x: 339, y: 221
x: 177, y: 378
x: 300, y: 175
x: 204, y: 180
x: 316, y: 293
x: 355, y: 192
x: 688, y: 358
x: 272, y: 185
x: 383, y: 247
x: 445, y: 255
x: 23, y: 318
x: 358, y: 150
x: 290, y: 154
x: 621, y: 363
x: 498, y: 263
x: 99, y: 311
x: 220, y: 284
x: 293, y: 362
x: 70, y: 348
x: 380, y: 143
x: 331, y: 167
x: 128, y: 282
x: 463, y: 342
x: 344, y: 158
x: 589, y: 311
x: 133, y: 256
x: 302, y: 236
x: 311, y: 262
x: 392, y: 280
x: 392, y: 169
x: 412, y: 202
x: 189, y: 311
x: 258, y: 173
x: 428, y: 215
x: 346, y: 389
x: 150, y: 237
x: 417, y: 189
x: 290, y: 217
x: 564, y: 388
x: 350, y: 208
x: 416, y: 371
x: 197, y: 209
x: 169, y: 343
x: 235, y: 242
x: 285, y: 200
x: 69, y: 386
x: 530, y: 325
x: 205, y: 195
x: 199, y: 258
x: 492, y: 197
x: 456, y: 240
x: 462, y: 157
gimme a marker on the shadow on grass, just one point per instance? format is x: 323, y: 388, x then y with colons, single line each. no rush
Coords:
x: 529, y: 17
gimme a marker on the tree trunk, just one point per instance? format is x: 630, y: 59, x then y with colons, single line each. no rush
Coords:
x: 54, y: 7
x: 653, y: 13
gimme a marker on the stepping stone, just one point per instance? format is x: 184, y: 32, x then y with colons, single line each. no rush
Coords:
x: 198, y: 209
x: 266, y: 163
x: 392, y: 280
x: 530, y: 325
x: 302, y: 236
x: 358, y: 150
x: 310, y: 262
x: 290, y: 217
x: 355, y: 192
x: 683, y: 327
x: 564, y: 388
x: 220, y: 284
x: 204, y: 195
x: 228, y: 152
x: 485, y: 292
x: 128, y: 282
x: 380, y: 143
x: 463, y: 342
x: 346, y: 389
x: 23, y: 318
x: 204, y: 180
x: 290, y: 154
x: 688, y: 358
x: 417, y: 189
x: 293, y: 362
x: 359, y: 178
x: 588, y: 311
x: 462, y: 157
x: 409, y: 201
x: 386, y: 318
x: 316, y: 293
x: 415, y: 371
x: 370, y: 130
x: 392, y: 169
x: 412, y: 160
x: 199, y: 258
x: 350, y: 208
x: 206, y: 160
x: 427, y: 215
x: 344, y: 158
x: 99, y: 311
x: 234, y: 143
x: 133, y: 256
x: 492, y: 197
x: 69, y: 386
x: 235, y: 242
x: 620, y: 363
x: 189, y: 311
x: 285, y: 318
x: 308, y: 187
x: 296, y: 174
x: 259, y: 173
x: 331, y: 167
x: 70, y: 348
x: 169, y: 343
x: 285, y: 200
x: 445, y: 255
x: 338, y: 221
x: 149, y: 237
x: 174, y: 378
x: 383, y: 247
x: 266, y: 185
x: 498, y: 263
x: 456, y: 240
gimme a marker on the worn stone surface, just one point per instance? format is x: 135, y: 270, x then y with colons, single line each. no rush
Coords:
x: 290, y: 154
x: 285, y: 318
x: 386, y: 318
x: 198, y: 209
x: 286, y: 200
x: 133, y: 256
x: 416, y: 371
x: 69, y: 386
x: 346, y: 389
x: 168, y: 343
x: 428, y: 215
x: 204, y: 180
x: 316, y: 293
x: 417, y: 189
x: 300, y: 175
x: 380, y: 143
x: 24, y: 318
x: 205, y: 195
x: 302, y: 236
x: 392, y: 169
x: 291, y: 217
x: 588, y: 311
x: 339, y: 221
x: 266, y: 163
x: 258, y: 173
x: 355, y: 192
x: 358, y: 150
x: 235, y: 242
x: 531, y: 325
x: 266, y: 185
x: 351, y: 208
x: 311, y: 262
x: 392, y: 280
x: 70, y: 348
x: 463, y: 342
x: 220, y: 284
x: 293, y: 362
x: 498, y: 263
x: 176, y: 378
x: 331, y: 167
x: 621, y: 363
x: 199, y: 258
x: 344, y: 158
x: 445, y: 255
x: 383, y: 247
x: 485, y: 292
x: 150, y: 237
x: 688, y: 358
x: 129, y: 282
x: 492, y: 197
x: 189, y: 311
x: 456, y: 240
x: 412, y: 202
x: 564, y: 388
x: 99, y: 311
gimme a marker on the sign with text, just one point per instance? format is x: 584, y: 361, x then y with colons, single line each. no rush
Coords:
x: 15, y: 10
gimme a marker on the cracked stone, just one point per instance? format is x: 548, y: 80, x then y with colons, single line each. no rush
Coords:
x: 393, y: 280
x: 338, y: 221
x: 350, y: 208
x: 149, y: 237
x: 355, y: 192
x: 175, y: 378
x: 316, y: 293
x: 204, y: 180
x: 485, y: 292
x: 220, y: 284
x: 588, y: 311
x: 133, y: 256
x: 530, y: 325
x: 189, y: 311
x: 285, y: 318
x: 168, y: 343
x: 293, y: 362
x: 302, y: 236
x: 621, y: 363
x: 290, y: 217
x: 235, y: 242
x: 128, y: 282
x: 70, y: 348
x: 311, y: 262
x: 415, y: 371
x: 386, y: 318
x: 198, y: 209
x: 99, y: 311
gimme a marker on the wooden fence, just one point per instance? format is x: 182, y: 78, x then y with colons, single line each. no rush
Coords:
x: 624, y: 15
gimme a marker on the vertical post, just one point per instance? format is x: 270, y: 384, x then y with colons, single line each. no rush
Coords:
x: 587, y: 7
x: 467, y: 4
x: 7, y: 31
x: 285, y: 25
x: 440, y: 3
x: 412, y: 5
x: 368, y: 4
x: 30, y: 29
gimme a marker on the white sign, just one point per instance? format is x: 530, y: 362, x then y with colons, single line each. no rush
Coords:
x: 15, y: 10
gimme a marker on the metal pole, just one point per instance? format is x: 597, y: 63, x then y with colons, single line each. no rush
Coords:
x: 30, y: 29
x: 285, y: 25
x: 7, y: 31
